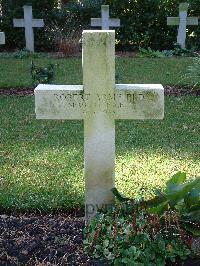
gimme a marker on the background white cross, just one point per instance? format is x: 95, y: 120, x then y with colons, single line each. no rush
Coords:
x: 2, y: 38
x: 28, y: 23
x: 105, y: 22
x: 182, y: 21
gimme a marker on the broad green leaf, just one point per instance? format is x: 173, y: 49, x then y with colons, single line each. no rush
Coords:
x: 193, y: 197
x: 160, y: 209
x: 178, y: 178
x: 132, y: 249
x: 118, y: 196
x: 192, y: 216
x: 159, y: 193
x: 192, y: 228
x: 106, y: 243
x: 177, y: 192
x: 195, y: 207
x: 155, y: 201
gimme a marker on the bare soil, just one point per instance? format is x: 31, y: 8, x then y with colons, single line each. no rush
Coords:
x: 32, y: 239
x: 169, y: 91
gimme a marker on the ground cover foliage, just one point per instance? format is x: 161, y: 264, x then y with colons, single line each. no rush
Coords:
x: 159, y: 231
x: 143, y: 22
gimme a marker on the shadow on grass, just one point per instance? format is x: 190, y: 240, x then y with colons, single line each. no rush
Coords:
x: 42, y: 161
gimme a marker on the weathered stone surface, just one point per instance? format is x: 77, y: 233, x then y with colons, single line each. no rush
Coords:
x: 99, y: 124
x: 139, y: 101
x: 59, y: 102
x: 105, y: 22
x: 2, y: 38
x: 131, y: 101
x: 99, y: 102
x: 183, y: 7
x: 28, y: 23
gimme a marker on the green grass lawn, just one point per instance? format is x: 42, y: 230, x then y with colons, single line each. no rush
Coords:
x: 41, y: 162
x: 167, y: 71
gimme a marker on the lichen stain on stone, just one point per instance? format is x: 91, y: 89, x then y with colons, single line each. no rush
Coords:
x: 90, y: 122
x: 104, y: 39
x: 103, y: 180
x: 151, y: 96
x: 154, y: 106
x: 152, y: 112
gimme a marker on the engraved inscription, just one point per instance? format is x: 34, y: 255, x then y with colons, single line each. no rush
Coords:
x: 98, y: 101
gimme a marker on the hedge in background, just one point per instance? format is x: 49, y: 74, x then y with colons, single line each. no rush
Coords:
x: 143, y: 22
x: 15, y: 37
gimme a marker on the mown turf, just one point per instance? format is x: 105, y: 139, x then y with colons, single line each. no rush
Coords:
x: 42, y: 161
x: 167, y: 71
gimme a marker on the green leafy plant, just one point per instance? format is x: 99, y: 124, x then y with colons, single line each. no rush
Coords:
x: 152, y: 232
x: 150, y: 53
x: 180, y: 196
x: 168, y: 53
x: 42, y: 74
x: 178, y: 51
x: 126, y: 235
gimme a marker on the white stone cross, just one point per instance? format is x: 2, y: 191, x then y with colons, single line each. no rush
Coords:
x: 105, y: 22
x: 182, y: 21
x: 28, y: 23
x: 99, y: 102
x: 2, y: 38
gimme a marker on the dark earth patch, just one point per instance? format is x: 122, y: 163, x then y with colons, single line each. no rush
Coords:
x: 28, y: 239
x: 169, y: 91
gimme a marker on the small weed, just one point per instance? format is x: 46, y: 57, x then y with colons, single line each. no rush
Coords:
x: 150, y: 53
x: 42, y: 75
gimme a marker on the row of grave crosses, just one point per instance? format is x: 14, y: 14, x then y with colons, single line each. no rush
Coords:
x: 105, y: 22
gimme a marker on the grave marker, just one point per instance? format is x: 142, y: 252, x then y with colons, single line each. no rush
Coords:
x: 182, y: 21
x: 28, y: 23
x: 99, y: 102
x: 105, y: 22
x: 2, y: 38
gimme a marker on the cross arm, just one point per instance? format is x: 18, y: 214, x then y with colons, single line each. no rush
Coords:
x: 59, y: 102
x: 96, y: 22
x: 19, y: 23
x: 38, y: 23
x: 2, y: 38
x: 139, y: 101
x: 114, y: 22
x: 174, y: 21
